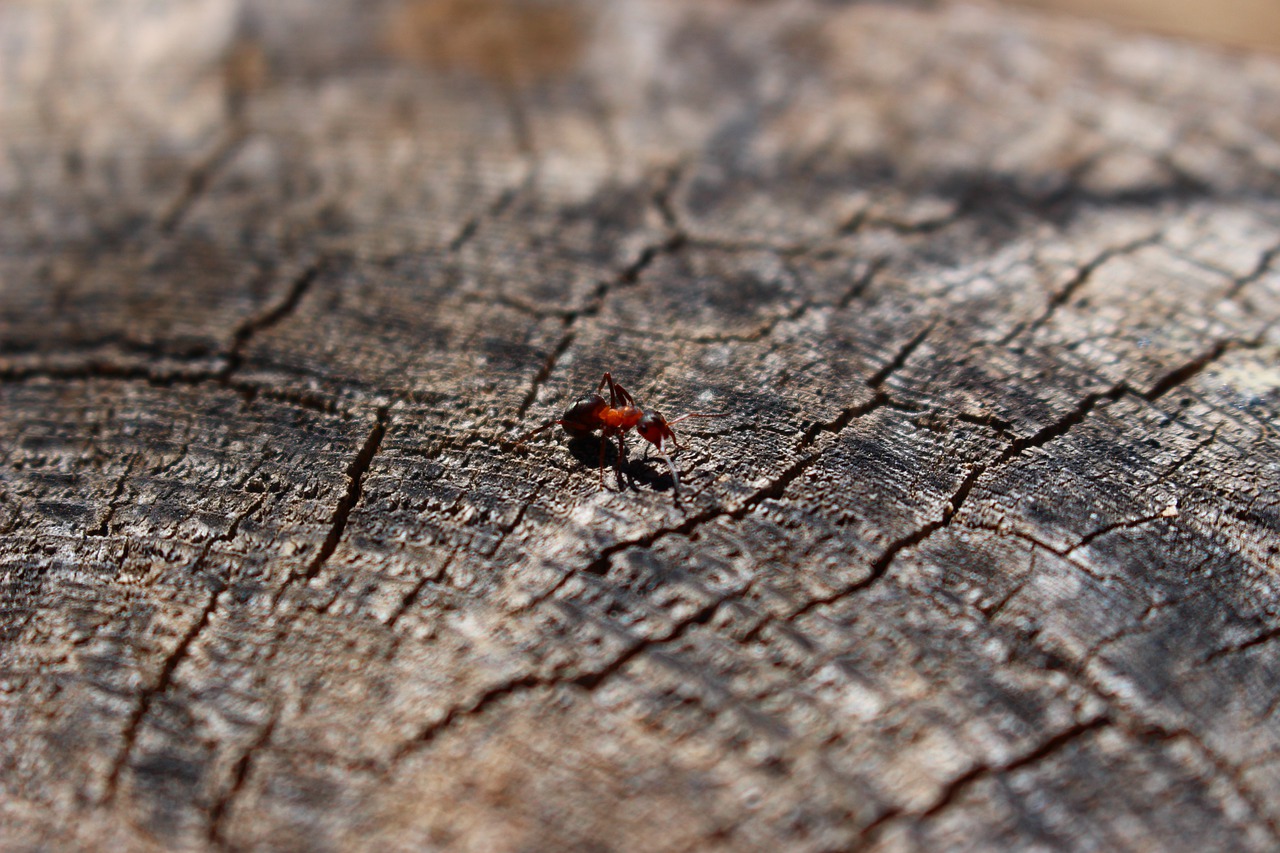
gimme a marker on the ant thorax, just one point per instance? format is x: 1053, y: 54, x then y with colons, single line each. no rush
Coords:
x: 622, y: 418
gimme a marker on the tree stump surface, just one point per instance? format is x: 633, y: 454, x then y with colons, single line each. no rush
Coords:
x: 983, y: 555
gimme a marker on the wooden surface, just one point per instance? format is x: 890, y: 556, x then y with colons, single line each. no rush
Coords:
x: 984, y: 555
x: 1234, y: 22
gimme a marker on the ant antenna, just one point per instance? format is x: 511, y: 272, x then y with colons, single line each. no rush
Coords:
x: 675, y: 421
x: 548, y: 425
x: 698, y: 415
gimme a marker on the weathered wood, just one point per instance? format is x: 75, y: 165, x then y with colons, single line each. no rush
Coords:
x: 984, y: 555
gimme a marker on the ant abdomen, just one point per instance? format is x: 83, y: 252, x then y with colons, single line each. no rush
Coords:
x: 583, y: 417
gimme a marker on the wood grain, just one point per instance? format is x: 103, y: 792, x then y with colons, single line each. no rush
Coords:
x: 983, y: 556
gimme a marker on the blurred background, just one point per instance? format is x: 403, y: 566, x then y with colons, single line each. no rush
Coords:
x: 1253, y: 23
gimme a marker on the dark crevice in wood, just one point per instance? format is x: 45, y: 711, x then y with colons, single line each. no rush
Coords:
x: 993, y: 609
x: 101, y: 369
x: 1186, y: 372
x: 1120, y: 710
x: 1263, y: 266
x: 538, y: 312
x: 1119, y: 525
x: 474, y: 708
x: 647, y: 256
x: 271, y: 317
x: 701, y: 616
x: 1015, y: 448
x: 838, y: 424
x: 1253, y: 642
x: 313, y: 401
x: 495, y: 209
x: 999, y: 425
x: 895, y: 364
x: 193, y: 352
x: 1135, y: 724
x: 958, y: 786
x: 239, y: 775
x: 662, y: 198
x: 861, y: 283
x: 200, y: 178
x: 1062, y: 426
x: 176, y: 656
x: 1082, y: 276
x: 880, y: 567
x: 864, y: 219
x: 107, y: 371
x: 411, y: 597
x: 629, y: 275
x: 778, y: 249
x: 356, y: 472
x: 600, y: 565
x: 164, y: 677
x: 602, y: 562
x: 104, y: 526
x: 545, y: 371
x: 586, y: 680
x: 1183, y: 460
x: 764, y: 330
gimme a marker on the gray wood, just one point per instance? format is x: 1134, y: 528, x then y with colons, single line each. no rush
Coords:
x: 983, y: 555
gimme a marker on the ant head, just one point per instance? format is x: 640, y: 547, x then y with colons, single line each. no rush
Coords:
x: 653, y: 428
x: 583, y: 417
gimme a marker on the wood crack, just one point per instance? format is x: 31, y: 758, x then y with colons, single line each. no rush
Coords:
x: 1253, y: 642
x: 495, y: 209
x: 586, y: 679
x: 1263, y: 266
x: 1082, y: 276
x: 356, y: 472
x: 158, y: 687
x: 900, y: 358
x: 199, y: 179
x: 171, y: 662
x: 1119, y: 525
x: 629, y: 275
x: 239, y: 774
x: 271, y: 317
x: 1119, y: 711
x: 102, y: 370
x: 962, y: 783
x: 880, y: 567
x: 103, y: 527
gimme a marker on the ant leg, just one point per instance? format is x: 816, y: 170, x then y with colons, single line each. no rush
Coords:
x: 607, y: 381
x: 617, y: 463
x: 604, y: 439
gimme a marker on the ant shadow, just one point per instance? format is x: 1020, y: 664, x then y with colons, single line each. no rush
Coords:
x: 587, y: 451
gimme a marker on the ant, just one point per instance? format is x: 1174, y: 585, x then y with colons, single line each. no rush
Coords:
x: 615, y: 418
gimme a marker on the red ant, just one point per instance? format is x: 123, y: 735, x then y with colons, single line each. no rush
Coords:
x: 616, y: 418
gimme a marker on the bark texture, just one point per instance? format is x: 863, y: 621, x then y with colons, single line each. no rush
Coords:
x: 984, y: 554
